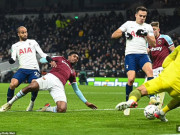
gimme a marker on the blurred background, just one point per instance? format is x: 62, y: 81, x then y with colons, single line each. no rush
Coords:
x: 85, y: 26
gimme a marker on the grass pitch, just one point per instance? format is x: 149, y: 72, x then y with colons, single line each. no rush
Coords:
x: 81, y: 120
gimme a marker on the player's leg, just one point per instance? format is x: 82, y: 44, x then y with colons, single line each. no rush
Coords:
x: 147, y: 88
x: 174, y: 103
x: 33, y: 74
x: 58, y: 94
x: 13, y: 84
x: 147, y: 68
x: 60, y: 107
x: 130, y: 64
x: 16, y: 80
x: 161, y: 96
x: 129, y: 86
x: 34, y: 86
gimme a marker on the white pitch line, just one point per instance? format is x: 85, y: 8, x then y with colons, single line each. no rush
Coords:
x: 91, y: 93
x: 81, y: 110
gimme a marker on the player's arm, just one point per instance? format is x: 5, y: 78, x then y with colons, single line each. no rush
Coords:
x: 117, y: 34
x: 121, y: 31
x: 151, y: 40
x: 172, y: 48
x: 43, y: 55
x: 81, y: 96
x: 49, y: 60
x: 13, y: 55
x: 169, y: 43
x: 171, y: 57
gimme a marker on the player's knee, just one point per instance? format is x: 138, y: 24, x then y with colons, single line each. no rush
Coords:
x: 143, y: 90
x: 61, y: 109
x: 13, y: 85
x: 130, y: 81
x: 33, y: 86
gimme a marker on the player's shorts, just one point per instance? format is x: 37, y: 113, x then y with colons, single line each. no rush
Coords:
x: 136, y: 61
x: 55, y: 87
x: 157, y: 71
x: 26, y: 74
x: 157, y: 85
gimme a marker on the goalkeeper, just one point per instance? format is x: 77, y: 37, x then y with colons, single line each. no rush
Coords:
x: 167, y: 81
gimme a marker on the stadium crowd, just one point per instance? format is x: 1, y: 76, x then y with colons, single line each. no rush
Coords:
x: 14, y: 7
x: 89, y: 35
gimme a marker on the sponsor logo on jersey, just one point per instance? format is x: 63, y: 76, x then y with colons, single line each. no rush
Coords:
x: 156, y: 49
x: 25, y: 50
x: 63, y: 61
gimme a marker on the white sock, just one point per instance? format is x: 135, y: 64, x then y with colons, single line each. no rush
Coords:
x: 16, y: 97
x: 130, y: 101
x: 161, y: 112
x: 52, y: 109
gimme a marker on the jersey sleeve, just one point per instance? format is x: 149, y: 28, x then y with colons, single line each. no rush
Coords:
x: 171, y: 57
x: 169, y: 41
x: 13, y: 52
x: 123, y: 27
x: 39, y: 50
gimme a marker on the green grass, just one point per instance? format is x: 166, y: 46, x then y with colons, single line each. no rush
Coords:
x: 80, y: 120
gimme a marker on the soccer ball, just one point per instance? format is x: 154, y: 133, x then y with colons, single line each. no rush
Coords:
x: 149, y: 111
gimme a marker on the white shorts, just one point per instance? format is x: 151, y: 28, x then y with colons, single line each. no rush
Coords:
x: 157, y: 71
x: 55, y: 87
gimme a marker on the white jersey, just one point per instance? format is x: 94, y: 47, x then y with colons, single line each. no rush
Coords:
x: 138, y: 44
x: 26, y: 53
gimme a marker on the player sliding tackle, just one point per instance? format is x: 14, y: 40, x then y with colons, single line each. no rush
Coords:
x: 54, y: 81
x: 167, y: 81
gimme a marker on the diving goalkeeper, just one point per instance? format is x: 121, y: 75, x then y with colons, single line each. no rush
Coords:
x: 167, y: 81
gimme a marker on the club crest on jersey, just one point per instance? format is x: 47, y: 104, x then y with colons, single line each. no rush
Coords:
x: 25, y: 50
x: 159, y: 42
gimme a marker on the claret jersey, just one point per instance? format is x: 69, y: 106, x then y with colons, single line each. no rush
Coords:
x: 161, y: 51
x: 64, y: 70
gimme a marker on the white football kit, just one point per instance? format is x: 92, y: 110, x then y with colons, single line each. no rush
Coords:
x: 26, y: 53
x: 138, y: 44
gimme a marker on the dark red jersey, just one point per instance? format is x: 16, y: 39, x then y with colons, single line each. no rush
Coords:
x: 161, y: 51
x: 64, y: 70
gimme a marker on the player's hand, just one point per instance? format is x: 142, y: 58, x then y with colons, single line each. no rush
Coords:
x: 53, y: 64
x: 90, y: 105
x: 128, y: 36
x: 141, y: 32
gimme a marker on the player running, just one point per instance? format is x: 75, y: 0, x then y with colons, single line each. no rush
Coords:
x: 54, y: 81
x: 138, y: 34
x: 167, y: 81
x: 25, y: 51
x: 164, y: 45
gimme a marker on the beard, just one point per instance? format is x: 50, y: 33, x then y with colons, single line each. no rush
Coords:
x: 24, y: 38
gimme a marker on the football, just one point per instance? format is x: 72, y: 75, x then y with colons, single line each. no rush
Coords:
x: 149, y: 111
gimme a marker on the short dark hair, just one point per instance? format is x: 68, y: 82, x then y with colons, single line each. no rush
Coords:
x: 73, y: 52
x: 142, y: 8
x: 155, y: 24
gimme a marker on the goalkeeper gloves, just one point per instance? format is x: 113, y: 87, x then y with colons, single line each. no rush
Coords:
x: 141, y: 32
